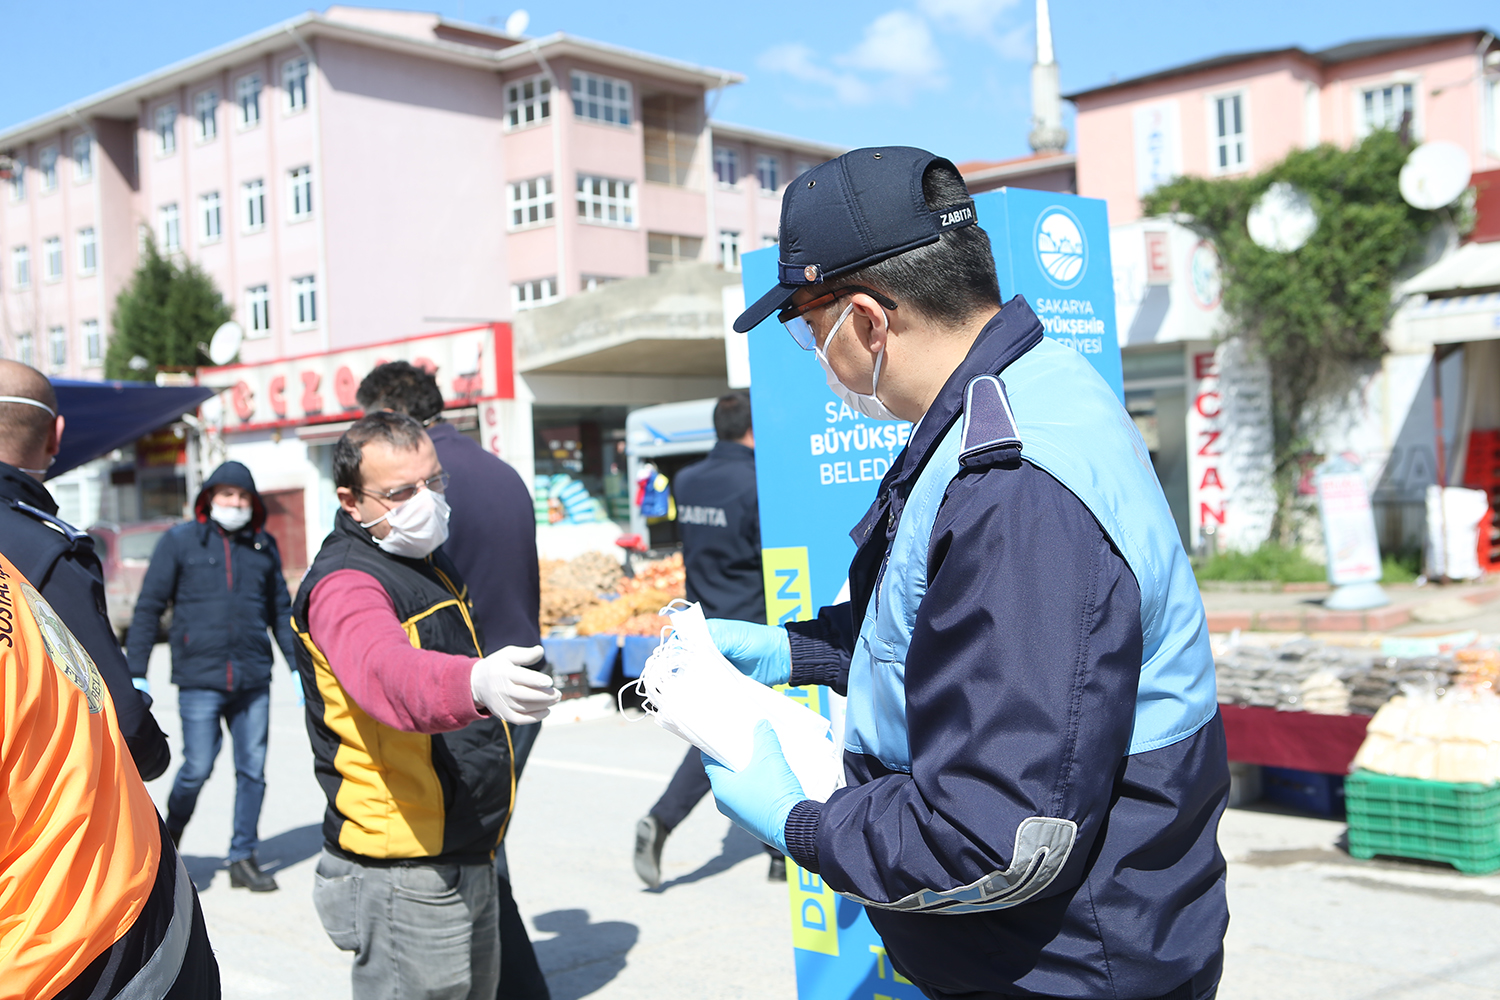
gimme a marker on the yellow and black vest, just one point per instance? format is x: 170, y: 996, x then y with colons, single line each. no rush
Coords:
x: 395, y: 796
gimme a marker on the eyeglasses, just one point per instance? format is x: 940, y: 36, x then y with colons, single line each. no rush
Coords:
x: 793, y: 318
x: 437, y: 484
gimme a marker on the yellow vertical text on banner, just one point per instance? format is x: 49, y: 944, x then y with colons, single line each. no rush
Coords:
x: 788, y: 584
x: 815, y: 925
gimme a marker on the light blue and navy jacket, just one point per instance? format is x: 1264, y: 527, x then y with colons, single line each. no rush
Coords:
x: 1034, y: 755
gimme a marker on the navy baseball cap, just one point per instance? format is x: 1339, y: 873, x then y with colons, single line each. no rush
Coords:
x: 851, y: 212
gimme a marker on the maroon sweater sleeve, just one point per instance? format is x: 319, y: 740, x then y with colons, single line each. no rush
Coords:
x: 353, y: 621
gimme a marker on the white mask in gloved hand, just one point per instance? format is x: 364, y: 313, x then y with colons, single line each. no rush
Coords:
x: 418, y: 526
x: 503, y: 684
x: 231, y: 519
x: 867, y: 404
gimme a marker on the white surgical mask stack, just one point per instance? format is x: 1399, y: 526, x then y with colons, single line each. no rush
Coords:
x: 690, y: 690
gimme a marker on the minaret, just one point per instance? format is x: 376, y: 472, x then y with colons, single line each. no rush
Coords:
x: 1047, y: 133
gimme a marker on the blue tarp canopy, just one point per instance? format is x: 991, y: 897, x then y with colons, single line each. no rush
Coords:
x: 103, y: 416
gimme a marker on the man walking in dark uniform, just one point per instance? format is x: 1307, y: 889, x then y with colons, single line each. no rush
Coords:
x: 59, y: 558
x: 718, y: 513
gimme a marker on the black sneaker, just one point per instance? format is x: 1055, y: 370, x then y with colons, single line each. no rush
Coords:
x: 778, y: 870
x: 650, y: 835
x: 246, y: 874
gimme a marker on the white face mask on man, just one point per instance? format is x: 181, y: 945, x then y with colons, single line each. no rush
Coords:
x: 867, y: 404
x: 230, y: 518
x: 418, y: 526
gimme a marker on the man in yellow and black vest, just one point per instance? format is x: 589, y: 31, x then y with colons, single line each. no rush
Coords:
x: 409, y: 725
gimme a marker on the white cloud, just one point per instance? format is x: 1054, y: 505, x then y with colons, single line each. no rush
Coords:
x: 979, y: 19
x: 898, y: 43
x: 895, y: 57
x: 801, y: 63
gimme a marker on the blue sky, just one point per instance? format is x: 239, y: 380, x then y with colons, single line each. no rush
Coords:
x: 949, y: 75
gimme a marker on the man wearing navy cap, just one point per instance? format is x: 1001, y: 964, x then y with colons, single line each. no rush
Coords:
x: 1034, y: 757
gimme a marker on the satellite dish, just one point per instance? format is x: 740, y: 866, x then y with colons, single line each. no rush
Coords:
x: 225, y: 343
x: 516, y: 24
x: 1435, y: 174
x: 1282, y: 219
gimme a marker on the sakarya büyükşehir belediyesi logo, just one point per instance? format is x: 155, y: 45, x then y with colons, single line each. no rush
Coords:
x: 1060, y: 247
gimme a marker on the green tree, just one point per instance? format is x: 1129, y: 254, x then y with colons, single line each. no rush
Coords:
x: 1312, y: 314
x: 166, y: 311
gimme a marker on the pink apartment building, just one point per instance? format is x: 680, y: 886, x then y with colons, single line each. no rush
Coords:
x: 363, y: 177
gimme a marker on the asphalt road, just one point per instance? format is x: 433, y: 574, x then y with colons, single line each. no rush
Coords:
x: 1308, y: 920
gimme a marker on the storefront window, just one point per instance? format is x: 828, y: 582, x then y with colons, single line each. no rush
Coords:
x: 1156, y: 399
x: 580, y: 464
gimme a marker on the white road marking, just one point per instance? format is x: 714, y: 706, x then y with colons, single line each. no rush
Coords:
x: 614, y: 772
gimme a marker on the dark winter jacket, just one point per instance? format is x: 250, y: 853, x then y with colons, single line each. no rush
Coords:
x: 61, y: 563
x: 225, y: 589
x: 718, y: 514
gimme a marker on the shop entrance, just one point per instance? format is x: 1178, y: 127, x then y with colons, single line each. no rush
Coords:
x: 1156, y: 399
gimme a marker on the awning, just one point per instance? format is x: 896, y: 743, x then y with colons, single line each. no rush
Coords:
x: 103, y: 416
x: 1455, y: 301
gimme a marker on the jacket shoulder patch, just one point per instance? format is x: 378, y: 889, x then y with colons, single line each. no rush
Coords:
x: 989, y: 429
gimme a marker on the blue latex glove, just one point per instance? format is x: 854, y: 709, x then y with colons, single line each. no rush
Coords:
x: 759, y: 798
x: 297, y: 679
x: 144, y: 687
x: 760, y: 651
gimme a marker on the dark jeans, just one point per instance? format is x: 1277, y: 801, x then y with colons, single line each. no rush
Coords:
x: 685, y: 790
x: 248, y: 716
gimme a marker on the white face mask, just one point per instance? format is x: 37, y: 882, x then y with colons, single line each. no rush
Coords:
x: 418, y: 526
x: 229, y: 518
x: 864, y: 403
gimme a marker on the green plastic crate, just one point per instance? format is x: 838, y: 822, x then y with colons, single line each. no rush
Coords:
x: 1431, y: 820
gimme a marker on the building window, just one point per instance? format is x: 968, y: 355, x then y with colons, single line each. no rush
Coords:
x: 25, y: 350
x: 301, y: 179
x: 1384, y: 107
x: 170, y: 224
x: 529, y: 294
x: 57, y: 347
x: 17, y: 179
x: 605, y: 201
x: 802, y: 167
x: 20, y: 266
x: 305, y: 294
x: 601, y: 98
x: 530, y: 202
x: 47, y: 165
x: 726, y: 165
x: 255, y: 205
x: 93, y: 346
x: 1229, y: 133
x: 669, y: 248
x: 671, y: 125
x: 88, y: 251
x: 768, y: 172
x: 83, y: 157
x: 528, y: 102
x: 258, y: 306
x: 247, y: 99
x: 166, y: 129
x: 294, y: 83
x: 770, y: 240
x: 206, y: 115
x: 592, y: 282
x: 211, y: 214
x: 729, y: 249
x: 52, y: 254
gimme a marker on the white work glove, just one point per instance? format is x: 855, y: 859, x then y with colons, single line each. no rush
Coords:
x: 502, y: 684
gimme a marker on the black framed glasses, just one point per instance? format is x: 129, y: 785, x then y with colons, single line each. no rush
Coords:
x: 401, y: 494
x: 793, y: 318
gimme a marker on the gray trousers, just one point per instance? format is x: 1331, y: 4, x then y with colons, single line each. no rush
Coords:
x: 418, y: 932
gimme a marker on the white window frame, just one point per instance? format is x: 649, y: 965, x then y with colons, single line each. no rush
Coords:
x: 1404, y: 84
x: 253, y: 206
x: 299, y: 194
x: 768, y: 168
x: 57, y: 348
x: 46, y: 165
x: 606, y: 201
x: 93, y: 343
x: 590, y: 103
x: 210, y: 217
x: 726, y: 164
x: 52, y: 259
x: 18, y: 178
x: 164, y: 124
x: 294, y: 77
x: 258, y: 310
x: 729, y: 249
x: 83, y: 158
x: 1232, y: 141
x: 206, y: 115
x: 305, y: 302
x: 530, y: 203
x: 88, y: 250
x: 528, y: 102
x: 247, y: 100
x: 169, y: 227
x: 769, y: 240
x: 801, y: 167
x: 594, y: 282
x: 533, y: 293
x: 26, y: 348
x: 20, y: 266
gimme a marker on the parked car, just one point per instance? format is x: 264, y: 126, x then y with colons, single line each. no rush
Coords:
x: 125, y: 552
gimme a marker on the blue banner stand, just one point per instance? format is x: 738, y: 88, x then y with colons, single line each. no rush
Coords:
x: 818, y: 465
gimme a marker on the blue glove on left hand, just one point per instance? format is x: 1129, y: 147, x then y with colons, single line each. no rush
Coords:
x: 297, y: 677
x: 759, y: 798
x: 762, y: 652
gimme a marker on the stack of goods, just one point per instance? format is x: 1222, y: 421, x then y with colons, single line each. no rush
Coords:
x: 1453, y: 737
x: 561, y: 499
x: 1388, y: 676
x: 1306, y: 675
x: 592, y: 594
